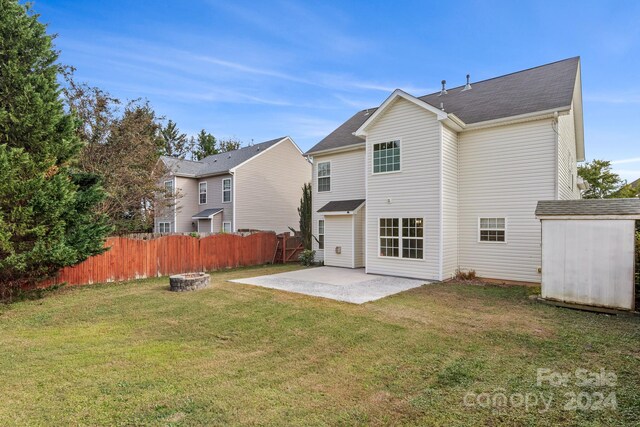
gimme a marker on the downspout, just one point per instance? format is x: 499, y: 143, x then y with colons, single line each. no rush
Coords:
x: 233, y: 201
x: 441, y: 250
x: 554, y: 126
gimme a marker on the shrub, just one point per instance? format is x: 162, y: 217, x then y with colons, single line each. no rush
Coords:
x: 307, y: 257
x: 194, y: 234
x: 465, y: 275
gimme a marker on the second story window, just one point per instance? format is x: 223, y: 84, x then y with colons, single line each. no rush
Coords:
x: 226, y: 190
x: 168, y: 188
x: 202, y: 189
x: 324, y: 176
x: 386, y: 157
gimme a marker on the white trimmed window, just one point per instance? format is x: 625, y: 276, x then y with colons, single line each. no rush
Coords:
x: 386, y: 157
x: 389, y: 237
x: 413, y: 238
x: 226, y: 190
x: 202, y: 191
x: 492, y: 230
x: 402, y: 238
x: 164, y: 227
x: 324, y: 176
x: 321, y: 234
x: 168, y: 188
x: 226, y: 227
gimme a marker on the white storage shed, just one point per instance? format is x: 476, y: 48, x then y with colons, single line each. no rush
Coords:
x: 588, y: 251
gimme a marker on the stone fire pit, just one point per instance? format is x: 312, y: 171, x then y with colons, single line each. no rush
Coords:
x: 188, y: 282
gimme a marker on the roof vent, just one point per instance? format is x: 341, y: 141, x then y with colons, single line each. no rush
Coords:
x: 442, y: 106
x: 229, y: 156
x: 366, y: 113
x: 468, y: 85
x: 215, y: 160
x: 443, y: 91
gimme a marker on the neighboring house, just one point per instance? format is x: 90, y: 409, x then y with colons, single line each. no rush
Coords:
x: 423, y: 186
x: 256, y: 187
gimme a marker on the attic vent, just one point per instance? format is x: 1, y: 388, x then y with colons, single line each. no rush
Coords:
x: 229, y: 156
x: 442, y: 106
x: 468, y: 85
x: 258, y: 149
x: 215, y: 160
x: 366, y: 113
x: 443, y: 91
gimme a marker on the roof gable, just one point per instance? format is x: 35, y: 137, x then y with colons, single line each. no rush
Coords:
x: 397, y: 94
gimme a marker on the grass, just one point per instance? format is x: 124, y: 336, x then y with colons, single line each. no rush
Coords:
x: 135, y: 354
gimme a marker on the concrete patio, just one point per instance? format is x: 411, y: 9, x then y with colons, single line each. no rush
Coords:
x: 341, y: 284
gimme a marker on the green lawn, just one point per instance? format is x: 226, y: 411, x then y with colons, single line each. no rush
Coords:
x: 136, y: 354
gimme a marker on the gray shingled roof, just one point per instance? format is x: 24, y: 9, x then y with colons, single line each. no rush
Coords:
x: 588, y: 207
x: 536, y: 89
x: 342, y: 206
x: 218, y: 163
x: 205, y: 214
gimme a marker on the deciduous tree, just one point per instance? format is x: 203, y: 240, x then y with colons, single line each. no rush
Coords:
x: 603, y: 182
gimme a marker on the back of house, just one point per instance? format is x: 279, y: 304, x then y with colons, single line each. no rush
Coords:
x: 425, y: 186
x: 253, y: 188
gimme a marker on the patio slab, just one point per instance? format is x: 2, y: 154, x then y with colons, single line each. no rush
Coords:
x: 341, y: 284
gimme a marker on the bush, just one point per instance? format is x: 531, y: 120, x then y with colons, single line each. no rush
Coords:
x: 194, y: 234
x: 307, y: 257
x: 464, y: 276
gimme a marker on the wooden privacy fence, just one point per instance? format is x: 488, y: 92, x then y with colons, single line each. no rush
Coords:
x: 135, y: 259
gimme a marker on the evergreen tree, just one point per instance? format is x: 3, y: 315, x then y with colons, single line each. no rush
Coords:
x: 47, y: 207
x: 205, y: 145
x: 304, y: 211
x: 176, y: 144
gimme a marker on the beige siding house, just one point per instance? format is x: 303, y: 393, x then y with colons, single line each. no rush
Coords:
x: 450, y: 180
x: 252, y: 188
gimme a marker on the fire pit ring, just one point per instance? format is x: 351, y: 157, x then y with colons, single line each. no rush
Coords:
x: 188, y: 282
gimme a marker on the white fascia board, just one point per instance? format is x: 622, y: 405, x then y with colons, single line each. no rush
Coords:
x: 398, y: 93
x: 528, y: 117
x: 581, y: 217
x: 233, y: 169
x: 578, y: 119
x: 337, y: 149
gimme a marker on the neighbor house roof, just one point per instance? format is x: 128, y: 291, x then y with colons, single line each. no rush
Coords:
x: 588, y: 207
x: 207, y: 213
x: 217, y: 163
x: 537, y: 89
x: 342, y: 206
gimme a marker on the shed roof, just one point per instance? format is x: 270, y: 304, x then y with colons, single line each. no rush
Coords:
x: 537, y: 89
x: 589, y: 208
x: 342, y: 206
x: 207, y: 213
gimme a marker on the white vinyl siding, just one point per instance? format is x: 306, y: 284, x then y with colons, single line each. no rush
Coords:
x: 348, y: 183
x: 324, y: 177
x: 267, y: 189
x: 449, y: 202
x: 503, y: 172
x: 338, y: 233
x: 567, y: 165
x: 413, y: 192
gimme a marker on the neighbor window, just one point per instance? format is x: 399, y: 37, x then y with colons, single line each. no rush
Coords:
x: 389, y: 237
x: 168, y: 188
x: 412, y: 238
x: 226, y: 227
x: 324, y: 176
x: 202, y: 187
x: 164, y: 227
x: 321, y: 234
x: 386, y: 157
x: 226, y: 190
x: 492, y: 229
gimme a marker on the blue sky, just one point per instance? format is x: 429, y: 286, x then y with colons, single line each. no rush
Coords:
x: 259, y: 70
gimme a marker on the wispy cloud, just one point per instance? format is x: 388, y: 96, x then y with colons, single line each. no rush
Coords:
x: 614, y: 98
x: 623, y: 161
